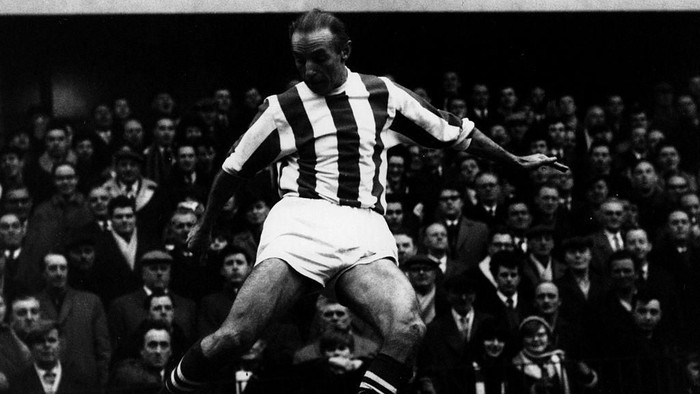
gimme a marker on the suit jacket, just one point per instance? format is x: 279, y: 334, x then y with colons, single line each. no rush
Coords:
x: 84, y: 330
x: 72, y: 381
x: 446, y: 358
x: 478, y: 212
x: 491, y: 304
x: 113, y: 265
x: 128, y: 311
x: 600, y: 251
x: 469, y: 243
x: 575, y: 305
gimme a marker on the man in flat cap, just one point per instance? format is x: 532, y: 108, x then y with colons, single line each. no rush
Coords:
x: 424, y: 273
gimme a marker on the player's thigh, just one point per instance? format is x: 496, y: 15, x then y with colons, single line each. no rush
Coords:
x: 380, y: 294
x: 270, y: 290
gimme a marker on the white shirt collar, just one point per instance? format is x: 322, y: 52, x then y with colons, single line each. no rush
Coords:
x: 57, y: 370
x: 504, y: 298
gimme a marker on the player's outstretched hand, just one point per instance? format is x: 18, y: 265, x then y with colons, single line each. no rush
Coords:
x: 198, y: 238
x: 538, y: 159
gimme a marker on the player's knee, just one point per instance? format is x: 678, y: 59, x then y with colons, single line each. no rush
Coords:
x: 411, y: 331
x: 233, y: 339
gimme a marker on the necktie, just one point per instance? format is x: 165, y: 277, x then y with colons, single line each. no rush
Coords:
x: 509, y: 303
x: 617, y: 242
x: 465, y: 328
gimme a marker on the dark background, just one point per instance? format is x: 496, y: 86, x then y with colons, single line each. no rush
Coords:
x: 71, y: 63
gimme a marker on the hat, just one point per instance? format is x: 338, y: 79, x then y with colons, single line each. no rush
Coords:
x: 419, y: 259
x: 155, y: 257
x: 577, y: 243
x: 127, y: 153
x: 539, y: 229
x: 532, y: 319
x: 79, y: 238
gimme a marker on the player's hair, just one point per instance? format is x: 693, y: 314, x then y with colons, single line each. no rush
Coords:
x: 317, y: 20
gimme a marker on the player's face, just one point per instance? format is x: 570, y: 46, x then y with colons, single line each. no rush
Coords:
x: 318, y: 62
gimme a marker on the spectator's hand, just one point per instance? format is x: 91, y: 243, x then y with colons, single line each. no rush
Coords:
x: 198, y: 238
x: 538, y: 159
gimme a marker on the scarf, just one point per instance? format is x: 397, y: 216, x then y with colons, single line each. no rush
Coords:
x: 543, y: 366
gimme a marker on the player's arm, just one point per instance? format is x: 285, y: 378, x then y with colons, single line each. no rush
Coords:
x: 223, y: 188
x: 485, y: 147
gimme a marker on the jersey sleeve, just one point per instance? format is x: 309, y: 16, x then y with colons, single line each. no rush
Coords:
x: 420, y: 122
x: 260, y: 146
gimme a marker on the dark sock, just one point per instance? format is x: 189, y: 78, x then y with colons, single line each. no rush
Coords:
x: 385, y: 375
x: 191, y: 373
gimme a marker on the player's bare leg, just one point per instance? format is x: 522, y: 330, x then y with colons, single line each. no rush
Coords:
x: 271, y: 289
x: 381, y: 294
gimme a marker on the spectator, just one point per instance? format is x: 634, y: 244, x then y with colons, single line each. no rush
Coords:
x: 25, y: 313
x: 539, y: 263
x: 609, y: 238
x: 127, y: 312
x: 422, y: 272
x: 14, y: 270
x: 488, y: 208
x: 191, y: 277
x: 406, y: 246
x: 49, y: 374
x: 20, y: 202
x: 133, y: 135
x: 14, y: 354
x: 53, y: 220
x: 499, y: 239
x: 518, y: 221
x: 466, y: 238
x: 236, y: 265
x: 436, y: 247
x: 82, y: 319
x: 39, y: 173
x: 647, y: 195
x: 145, y: 374
x: 479, y: 111
x: 399, y: 219
x: 567, y: 335
x: 184, y: 180
x: 11, y: 168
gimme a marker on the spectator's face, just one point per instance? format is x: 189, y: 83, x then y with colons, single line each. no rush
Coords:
x: 318, y: 61
x: 205, y: 156
x: 638, y: 139
x: 668, y: 159
x: 690, y: 203
x: 186, y: 159
x: 340, y: 351
x: 252, y: 98
x: 133, y: 133
x: 180, y: 226
x: 488, y: 189
x: 676, y: 186
x: 161, y: 309
x: 406, y: 247
x: 46, y: 352
x: 547, y: 300
x: 468, y: 169
x: 451, y: 82
x: 461, y: 301
x: 639, y: 120
x: 557, y: 133
x: 395, y: 167
x: 499, y: 134
x: 507, y: 280
x: 686, y: 107
x: 65, y: 180
x: 84, y: 150
x: 123, y: 221
x: 654, y: 138
x: 103, y: 117
x: 223, y: 100
x: 508, y: 98
x: 594, y: 117
x: 193, y: 133
x: 422, y: 276
x: 164, y: 103
x: 623, y: 274
x: 422, y: 93
x: 519, y: 217
x: 98, y: 200
x: 11, y: 231
x: 450, y: 204
x: 122, y: 109
x: 598, y: 192
x: 600, y: 159
x: 436, y: 237
x: 567, y: 106
x: 615, y: 106
x: 19, y: 202
x: 56, y: 271
x: 536, y: 343
x: 164, y: 132
x: 394, y: 214
x: 25, y: 313
x: 10, y: 165
x: 458, y: 108
x: 480, y: 96
x: 235, y: 269
x: 539, y: 146
x: 578, y: 259
x: 679, y: 225
x: 128, y: 170
x: 500, y: 242
x: 156, y: 275
x: 612, y: 215
x: 547, y: 200
x: 82, y: 257
x: 257, y: 213
x: 494, y: 346
x: 541, y: 245
x: 336, y: 316
x: 156, y: 349
x: 647, y: 315
x: 432, y: 157
x: 56, y: 141
x: 636, y: 242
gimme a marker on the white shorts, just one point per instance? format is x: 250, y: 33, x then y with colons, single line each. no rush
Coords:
x: 321, y: 240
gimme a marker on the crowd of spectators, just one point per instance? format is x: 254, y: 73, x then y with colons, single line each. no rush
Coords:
x: 540, y: 282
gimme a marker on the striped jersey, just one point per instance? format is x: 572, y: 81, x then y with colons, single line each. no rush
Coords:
x: 333, y: 147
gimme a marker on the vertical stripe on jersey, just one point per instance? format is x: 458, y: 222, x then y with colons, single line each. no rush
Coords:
x: 293, y: 109
x: 348, y: 149
x: 378, y: 101
x: 266, y: 153
x: 416, y: 133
